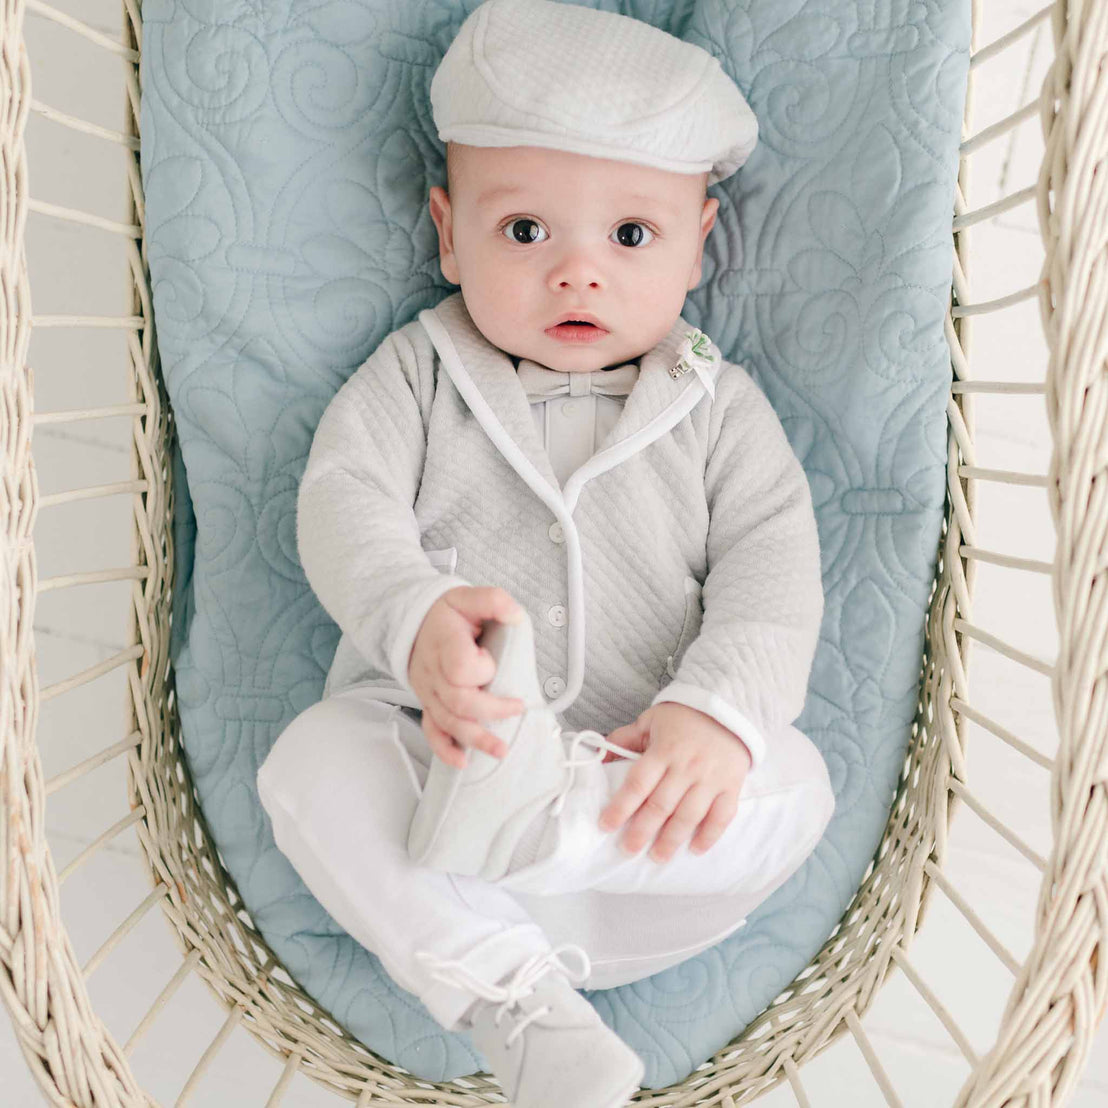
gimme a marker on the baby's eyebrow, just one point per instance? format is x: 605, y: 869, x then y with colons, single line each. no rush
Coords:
x: 493, y: 194
x: 504, y: 190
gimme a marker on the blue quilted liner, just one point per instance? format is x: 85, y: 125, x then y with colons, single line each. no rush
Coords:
x: 287, y: 153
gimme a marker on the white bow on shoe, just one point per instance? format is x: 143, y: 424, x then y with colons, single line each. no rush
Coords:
x: 522, y: 983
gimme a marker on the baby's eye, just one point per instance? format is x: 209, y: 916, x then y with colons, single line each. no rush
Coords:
x: 634, y: 230
x: 525, y: 237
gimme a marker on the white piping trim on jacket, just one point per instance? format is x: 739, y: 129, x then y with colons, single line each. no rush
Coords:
x: 560, y: 502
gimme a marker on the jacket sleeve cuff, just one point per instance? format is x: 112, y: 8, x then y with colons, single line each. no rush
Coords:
x: 713, y: 705
x: 415, y: 609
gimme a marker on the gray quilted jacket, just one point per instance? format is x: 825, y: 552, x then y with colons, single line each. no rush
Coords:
x: 680, y: 562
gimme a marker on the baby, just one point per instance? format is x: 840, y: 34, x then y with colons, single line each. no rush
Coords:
x: 520, y: 523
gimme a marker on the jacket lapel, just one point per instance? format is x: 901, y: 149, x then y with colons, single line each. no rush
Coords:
x: 493, y: 374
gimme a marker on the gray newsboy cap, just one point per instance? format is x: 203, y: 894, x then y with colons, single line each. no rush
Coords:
x: 570, y: 77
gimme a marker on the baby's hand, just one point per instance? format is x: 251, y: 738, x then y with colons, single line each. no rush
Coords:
x: 689, y: 778
x: 447, y: 668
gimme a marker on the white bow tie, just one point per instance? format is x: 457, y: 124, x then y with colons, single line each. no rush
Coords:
x: 540, y: 382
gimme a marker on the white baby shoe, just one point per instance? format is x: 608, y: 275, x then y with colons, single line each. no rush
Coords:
x: 484, y: 820
x: 544, y: 1042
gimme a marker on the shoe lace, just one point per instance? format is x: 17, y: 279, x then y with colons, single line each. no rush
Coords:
x: 522, y: 982
x: 591, y: 738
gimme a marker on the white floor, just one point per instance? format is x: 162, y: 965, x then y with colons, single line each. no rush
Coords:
x: 80, y: 627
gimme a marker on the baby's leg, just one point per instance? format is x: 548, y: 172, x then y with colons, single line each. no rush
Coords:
x: 339, y: 791
x: 783, y: 810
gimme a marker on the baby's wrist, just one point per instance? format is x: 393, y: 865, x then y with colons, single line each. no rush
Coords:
x: 704, y: 715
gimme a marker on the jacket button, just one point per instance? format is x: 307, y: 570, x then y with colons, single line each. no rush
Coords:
x: 555, y: 532
x: 557, y: 615
x: 554, y: 686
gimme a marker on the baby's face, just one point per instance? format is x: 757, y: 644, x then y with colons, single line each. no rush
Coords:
x: 576, y: 233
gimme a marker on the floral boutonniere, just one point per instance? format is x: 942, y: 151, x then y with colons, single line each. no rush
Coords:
x: 695, y: 348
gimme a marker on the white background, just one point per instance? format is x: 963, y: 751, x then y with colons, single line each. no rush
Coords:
x: 79, y: 627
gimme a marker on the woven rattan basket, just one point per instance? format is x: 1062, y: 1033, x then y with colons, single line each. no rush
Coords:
x: 1057, y: 994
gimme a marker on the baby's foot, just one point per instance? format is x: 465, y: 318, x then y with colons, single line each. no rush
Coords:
x: 545, y: 1043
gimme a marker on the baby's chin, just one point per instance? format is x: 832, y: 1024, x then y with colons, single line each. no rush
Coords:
x: 569, y: 365
x: 582, y: 358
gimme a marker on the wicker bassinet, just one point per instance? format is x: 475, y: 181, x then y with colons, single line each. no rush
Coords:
x: 1056, y: 996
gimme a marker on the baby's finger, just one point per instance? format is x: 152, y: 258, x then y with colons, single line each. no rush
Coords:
x: 633, y: 737
x: 464, y: 664
x: 615, y: 737
x: 480, y: 602
x: 679, y: 828
x: 637, y: 786
x: 465, y: 731
x: 477, y: 705
x: 441, y: 744
x: 719, y: 817
x: 654, y: 811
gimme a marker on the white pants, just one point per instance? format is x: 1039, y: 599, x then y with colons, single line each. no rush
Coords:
x: 338, y: 786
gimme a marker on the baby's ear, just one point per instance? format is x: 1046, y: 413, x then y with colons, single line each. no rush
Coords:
x: 709, y: 213
x: 441, y: 214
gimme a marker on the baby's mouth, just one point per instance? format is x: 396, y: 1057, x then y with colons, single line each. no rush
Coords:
x: 576, y: 330
x: 576, y: 323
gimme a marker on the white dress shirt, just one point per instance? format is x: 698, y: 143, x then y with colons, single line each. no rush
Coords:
x: 571, y: 427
